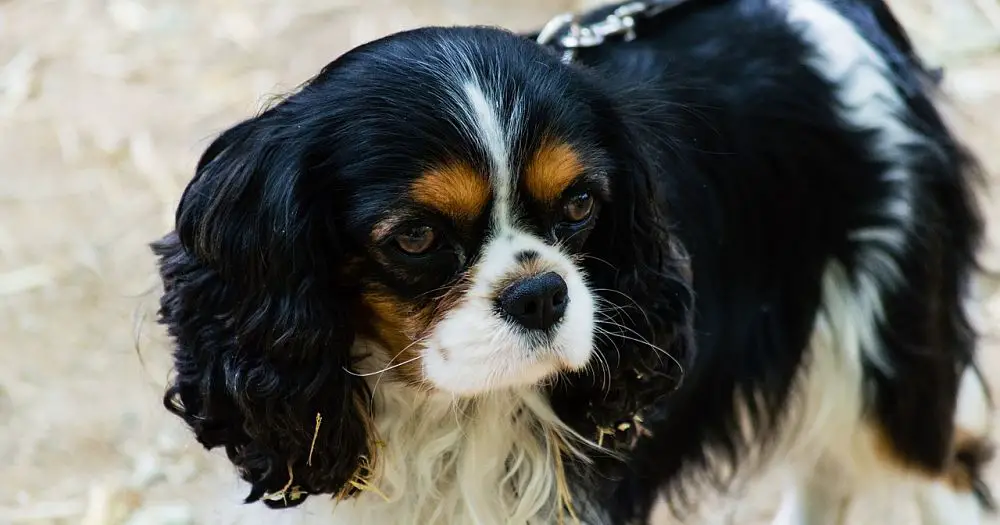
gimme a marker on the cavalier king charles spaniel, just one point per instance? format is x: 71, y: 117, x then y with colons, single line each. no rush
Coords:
x: 457, y: 279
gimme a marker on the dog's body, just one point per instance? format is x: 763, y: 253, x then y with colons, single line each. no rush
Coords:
x: 761, y: 189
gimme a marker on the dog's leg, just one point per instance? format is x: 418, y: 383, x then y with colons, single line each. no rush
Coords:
x: 812, y: 502
x: 960, y: 496
x: 875, y: 456
x: 942, y: 504
x: 825, y: 416
x: 891, y: 387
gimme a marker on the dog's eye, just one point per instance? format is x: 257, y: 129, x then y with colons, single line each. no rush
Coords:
x: 579, y: 207
x: 417, y: 240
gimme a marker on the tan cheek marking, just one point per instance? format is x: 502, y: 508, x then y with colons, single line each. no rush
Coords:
x: 554, y: 166
x: 454, y: 189
x: 396, y: 324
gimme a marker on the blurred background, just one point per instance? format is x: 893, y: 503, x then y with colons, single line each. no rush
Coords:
x: 105, y: 106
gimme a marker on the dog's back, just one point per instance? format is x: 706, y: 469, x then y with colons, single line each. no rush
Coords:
x: 827, y: 212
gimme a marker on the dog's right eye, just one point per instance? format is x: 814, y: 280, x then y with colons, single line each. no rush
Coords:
x: 579, y: 207
x: 417, y: 240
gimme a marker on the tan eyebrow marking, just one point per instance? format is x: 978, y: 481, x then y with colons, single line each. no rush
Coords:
x: 554, y: 166
x: 455, y: 189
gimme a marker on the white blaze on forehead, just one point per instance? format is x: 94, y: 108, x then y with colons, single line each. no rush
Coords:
x: 495, y: 134
x: 473, y: 349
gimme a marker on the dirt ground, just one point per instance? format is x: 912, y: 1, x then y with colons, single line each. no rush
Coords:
x: 104, y: 107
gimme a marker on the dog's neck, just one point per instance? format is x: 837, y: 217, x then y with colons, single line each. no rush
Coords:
x: 493, y: 459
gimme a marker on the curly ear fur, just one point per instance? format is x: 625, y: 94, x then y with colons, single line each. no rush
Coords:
x: 641, y: 274
x: 262, y: 330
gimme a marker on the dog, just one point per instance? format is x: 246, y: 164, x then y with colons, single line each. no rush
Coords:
x: 461, y: 277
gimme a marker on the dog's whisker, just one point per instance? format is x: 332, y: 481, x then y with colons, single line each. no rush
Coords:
x: 383, y: 370
x: 598, y: 259
x: 601, y: 301
x: 641, y: 340
x: 390, y: 366
x: 633, y: 301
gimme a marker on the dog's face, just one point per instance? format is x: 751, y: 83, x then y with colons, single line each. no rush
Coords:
x: 474, y: 283
x: 471, y: 277
x: 467, y: 194
x: 446, y: 208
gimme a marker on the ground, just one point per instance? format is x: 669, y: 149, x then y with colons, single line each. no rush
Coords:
x: 104, y: 107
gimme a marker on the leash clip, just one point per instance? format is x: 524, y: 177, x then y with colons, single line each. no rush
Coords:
x: 575, y: 35
x: 570, y: 35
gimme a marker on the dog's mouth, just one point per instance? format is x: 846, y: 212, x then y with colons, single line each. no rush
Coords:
x: 478, y: 367
x: 475, y: 349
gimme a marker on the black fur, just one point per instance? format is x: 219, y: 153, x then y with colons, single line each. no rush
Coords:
x: 733, y: 183
x: 261, y: 327
x: 763, y: 184
x: 270, y: 252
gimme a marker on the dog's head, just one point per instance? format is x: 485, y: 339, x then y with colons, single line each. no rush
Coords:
x: 453, y: 206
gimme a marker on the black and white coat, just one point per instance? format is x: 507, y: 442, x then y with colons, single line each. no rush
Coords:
x: 783, y: 256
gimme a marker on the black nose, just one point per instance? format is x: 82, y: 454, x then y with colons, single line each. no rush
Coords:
x: 537, y: 302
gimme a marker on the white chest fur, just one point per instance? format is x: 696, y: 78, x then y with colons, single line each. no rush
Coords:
x: 490, y: 461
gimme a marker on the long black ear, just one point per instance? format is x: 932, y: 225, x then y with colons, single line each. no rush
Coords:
x: 261, y: 325
x: 651, y: 274
x: 639, y: 267
x: 641, y: 274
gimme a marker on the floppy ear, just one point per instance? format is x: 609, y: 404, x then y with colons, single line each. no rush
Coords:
x: 261, y: 328
x: 641, y: 273
x: 651, y: 265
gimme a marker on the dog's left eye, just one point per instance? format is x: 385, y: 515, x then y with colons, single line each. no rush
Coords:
x: 417, y: 240
x: 579, y: 207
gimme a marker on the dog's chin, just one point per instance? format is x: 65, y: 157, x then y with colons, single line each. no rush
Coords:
x: 502, y: 369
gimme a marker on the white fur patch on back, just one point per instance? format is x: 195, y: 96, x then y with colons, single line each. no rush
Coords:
x: 847, y: 327
x: 869, y: 101
x: 827, y: 426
